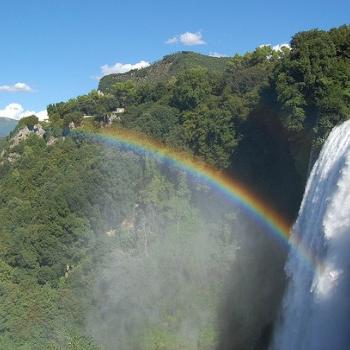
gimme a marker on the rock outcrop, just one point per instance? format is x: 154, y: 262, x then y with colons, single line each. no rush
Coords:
x: 25, y: 132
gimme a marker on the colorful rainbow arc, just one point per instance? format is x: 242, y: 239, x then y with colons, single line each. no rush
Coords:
x: 230, y: 188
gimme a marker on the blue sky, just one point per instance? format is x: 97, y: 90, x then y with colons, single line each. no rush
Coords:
x: 57, y: 47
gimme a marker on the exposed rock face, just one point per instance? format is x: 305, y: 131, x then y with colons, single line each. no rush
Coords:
x: 52, y: 140
x: 12, y: 157
x: 38, y: 130
x: 21, y: 135
x: 25, y: 132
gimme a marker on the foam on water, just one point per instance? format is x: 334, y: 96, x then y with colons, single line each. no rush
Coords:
x: 316, y: 307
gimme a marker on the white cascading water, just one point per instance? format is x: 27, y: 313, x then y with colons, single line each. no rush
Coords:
x: 316, y: 306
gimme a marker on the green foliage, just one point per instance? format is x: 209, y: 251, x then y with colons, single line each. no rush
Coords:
x: 155, y: 120
x: 208, y: 106
x: 167, y: 68
x: 93, y: 104
x: 199, y: 108
x: 159, y: 285
x: 63, y: 206
x: 29, y: 121
x: 191, y: 87
x: 312, y: 83
x: 73, y: 117
x: 150, y: 92
x: 312, y: 87
x: 210, y: 133
x: 55, y: 200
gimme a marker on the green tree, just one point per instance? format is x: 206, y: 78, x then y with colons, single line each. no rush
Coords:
x: 124, y: 93
x: 312, y: 83
x: 29, y: 121
x: 191, y: 88
x: 211, y: 134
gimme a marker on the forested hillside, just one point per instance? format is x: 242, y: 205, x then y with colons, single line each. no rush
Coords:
x: 261, y: 116
x: 101, y: 246
x: 104, y: 248
x: 166, y: 69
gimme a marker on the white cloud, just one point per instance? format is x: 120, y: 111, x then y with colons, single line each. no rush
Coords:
x: 191, y: 39
x: 122, y: 67
x: 277, y: 47
x: 42, y: 115
x: 18, y: 87
x: 263, y: 45
x: 16, y: 111
x: 217, y: 54
x: 188, y: 39
x: 173, y: 40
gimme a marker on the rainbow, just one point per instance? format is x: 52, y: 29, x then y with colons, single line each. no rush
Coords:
x: 231, y: 189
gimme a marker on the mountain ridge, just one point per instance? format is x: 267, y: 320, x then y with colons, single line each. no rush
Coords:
x: 7, y: 125
x: 166, y: 68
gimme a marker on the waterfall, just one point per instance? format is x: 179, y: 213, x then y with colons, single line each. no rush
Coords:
x: 315, y: 313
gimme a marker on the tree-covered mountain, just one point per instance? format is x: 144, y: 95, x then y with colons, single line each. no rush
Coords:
x: 101, y: 246
x: 261, y: 116
x: 104, y: 248
x: 166, y: 69
x: 6, y: 126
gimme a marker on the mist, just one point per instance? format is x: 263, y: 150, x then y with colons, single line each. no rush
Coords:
x: 186, y: 269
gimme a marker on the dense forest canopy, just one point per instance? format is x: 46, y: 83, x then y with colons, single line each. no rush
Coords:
x: 265, y: 107
x: 71, y: 208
